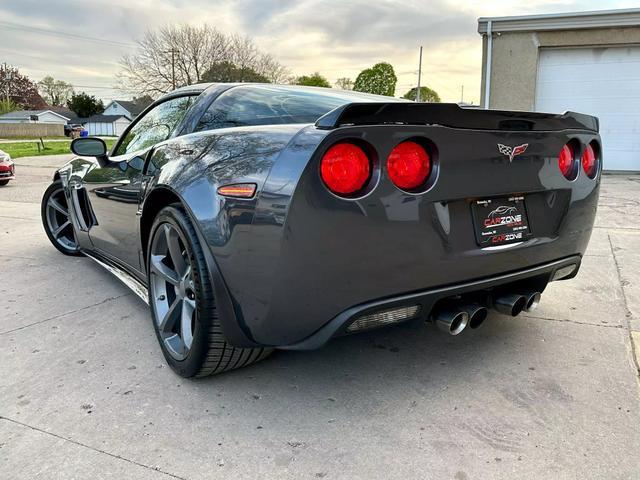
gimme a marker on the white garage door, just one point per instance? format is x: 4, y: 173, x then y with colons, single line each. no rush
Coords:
x: 604, y: 82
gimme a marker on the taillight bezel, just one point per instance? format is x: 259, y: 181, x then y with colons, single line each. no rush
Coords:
x: 597, y: 152
x: 374, y: 168
x: 432, y: 151
x: 576, y: 155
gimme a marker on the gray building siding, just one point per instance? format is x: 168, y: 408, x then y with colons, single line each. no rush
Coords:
x: 518, y: 41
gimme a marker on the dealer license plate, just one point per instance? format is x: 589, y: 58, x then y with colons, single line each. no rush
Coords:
x: 499, y: 221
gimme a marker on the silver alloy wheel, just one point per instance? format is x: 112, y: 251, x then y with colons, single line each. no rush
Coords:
x: 59, y: 221
x: 172, y: 292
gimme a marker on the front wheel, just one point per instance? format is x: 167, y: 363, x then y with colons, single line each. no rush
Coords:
x: 56, y: 220
x: 182, y: 303
x: 4, y: 182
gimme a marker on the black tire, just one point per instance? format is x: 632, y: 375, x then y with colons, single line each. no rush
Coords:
x: 4, y: 182
x: 69, y: 245
x: 209, y: 352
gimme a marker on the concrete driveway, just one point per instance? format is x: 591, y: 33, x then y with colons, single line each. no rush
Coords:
x: 85, y: 392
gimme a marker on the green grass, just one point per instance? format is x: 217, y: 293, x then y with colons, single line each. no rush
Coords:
x: 30, y: 149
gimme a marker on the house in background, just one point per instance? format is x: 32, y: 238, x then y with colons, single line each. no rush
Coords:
x: 105, y: 125
x: 34, y: 116
x: 127, y: 108
x: 66, y: 112
x: 586, y: 62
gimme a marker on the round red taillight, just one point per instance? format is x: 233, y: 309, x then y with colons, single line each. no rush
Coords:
x: 345, y: 168
x: 590, y: 162
x: 566, y: 161
x: 409, y: 165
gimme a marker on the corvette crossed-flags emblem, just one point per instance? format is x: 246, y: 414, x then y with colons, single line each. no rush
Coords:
x: 512, y: 152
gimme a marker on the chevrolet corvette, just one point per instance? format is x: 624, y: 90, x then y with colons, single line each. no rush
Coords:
x: 252, y: 217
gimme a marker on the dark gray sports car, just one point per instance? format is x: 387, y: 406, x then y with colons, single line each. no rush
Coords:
x: 254, y: 217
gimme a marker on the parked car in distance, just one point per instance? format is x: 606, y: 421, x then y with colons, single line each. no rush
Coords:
x: 253, y: 217
x: 7, y: 169
x: 72, y: 130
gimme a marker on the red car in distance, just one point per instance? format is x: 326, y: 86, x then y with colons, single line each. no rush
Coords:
x: 7, y: 169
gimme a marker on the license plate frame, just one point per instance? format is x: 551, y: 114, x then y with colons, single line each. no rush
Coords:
x: 500, y: 220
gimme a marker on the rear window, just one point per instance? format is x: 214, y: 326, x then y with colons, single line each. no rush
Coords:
x: 272, y: 105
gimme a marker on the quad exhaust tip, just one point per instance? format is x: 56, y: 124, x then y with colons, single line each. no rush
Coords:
x: 455, y: 317
x: 514, y: 304
x: 511, y: 304
x: 451, y: 321
x: 533, y: 300
x: 477, y: 315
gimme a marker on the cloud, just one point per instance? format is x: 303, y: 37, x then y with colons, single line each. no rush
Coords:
x: 336, y: 38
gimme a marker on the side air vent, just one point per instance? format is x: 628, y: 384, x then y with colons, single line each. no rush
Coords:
x: 85, y: 215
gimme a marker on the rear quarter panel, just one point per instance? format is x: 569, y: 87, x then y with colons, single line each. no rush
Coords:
x: 194, y: 166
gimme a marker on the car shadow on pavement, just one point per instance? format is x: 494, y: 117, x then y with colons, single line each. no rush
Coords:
x: 370, y: 366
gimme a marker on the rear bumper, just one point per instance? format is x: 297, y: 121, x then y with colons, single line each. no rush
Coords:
x: 527, y: 279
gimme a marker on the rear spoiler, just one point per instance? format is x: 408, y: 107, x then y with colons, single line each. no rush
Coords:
x: 452, y: 115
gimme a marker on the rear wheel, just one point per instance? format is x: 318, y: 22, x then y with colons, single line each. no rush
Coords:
x: 182, y: 303
x: 57, y: 220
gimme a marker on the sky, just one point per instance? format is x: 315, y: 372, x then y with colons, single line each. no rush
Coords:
x: 337, y: 38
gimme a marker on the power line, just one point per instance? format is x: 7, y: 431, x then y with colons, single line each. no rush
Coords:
x: 58, y: 33
x: 94, y: 87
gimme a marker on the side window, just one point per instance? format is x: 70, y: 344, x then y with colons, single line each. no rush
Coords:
x: 155, y: 126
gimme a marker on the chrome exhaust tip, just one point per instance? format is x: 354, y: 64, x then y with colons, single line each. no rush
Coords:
x: 451, y: 321
x: 533, y: 300
x: 512, y: 304
x: 477, y: 315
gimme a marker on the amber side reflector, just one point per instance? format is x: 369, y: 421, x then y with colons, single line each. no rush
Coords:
x: 238, y: 190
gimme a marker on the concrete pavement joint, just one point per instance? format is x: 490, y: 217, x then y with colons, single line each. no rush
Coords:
x: 65, y: 314
x: 33, y: 219
x: 628, y: 315
x: 20, y: 258
x: 75, y: 442
x: 21, y: 202
x: 629, y: 229
x: 562, y: 320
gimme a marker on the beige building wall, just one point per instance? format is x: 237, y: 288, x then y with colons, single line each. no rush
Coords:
x: 515, y: 60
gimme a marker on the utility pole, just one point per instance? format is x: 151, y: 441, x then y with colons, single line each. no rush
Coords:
x: 173, y: 67
x: 419, y: 76
x: 173, y: 52
x: 7, y: 78
x: 462, y: 95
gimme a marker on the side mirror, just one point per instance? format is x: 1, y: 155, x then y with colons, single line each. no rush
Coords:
x: 90, y: 147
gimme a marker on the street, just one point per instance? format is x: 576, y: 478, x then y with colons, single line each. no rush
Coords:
x: 85, y: 392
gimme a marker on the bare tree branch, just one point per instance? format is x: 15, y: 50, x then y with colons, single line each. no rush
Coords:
x: 191, y: 51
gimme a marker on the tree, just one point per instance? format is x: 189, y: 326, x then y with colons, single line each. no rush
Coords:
x: 143, y: 101
x: 228, y: 72
x: 313, y: 80
x: 8, y: 106
x: 426, y: 95
x: 22, y: 91
x: 273, y: 70
x: 55, y: 92
x: 379, y: 79
x: 344, y: 83
x: 85, y: 105
x: 180, y: 55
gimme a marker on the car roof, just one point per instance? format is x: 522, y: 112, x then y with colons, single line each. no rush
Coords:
x: 331, y: 92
